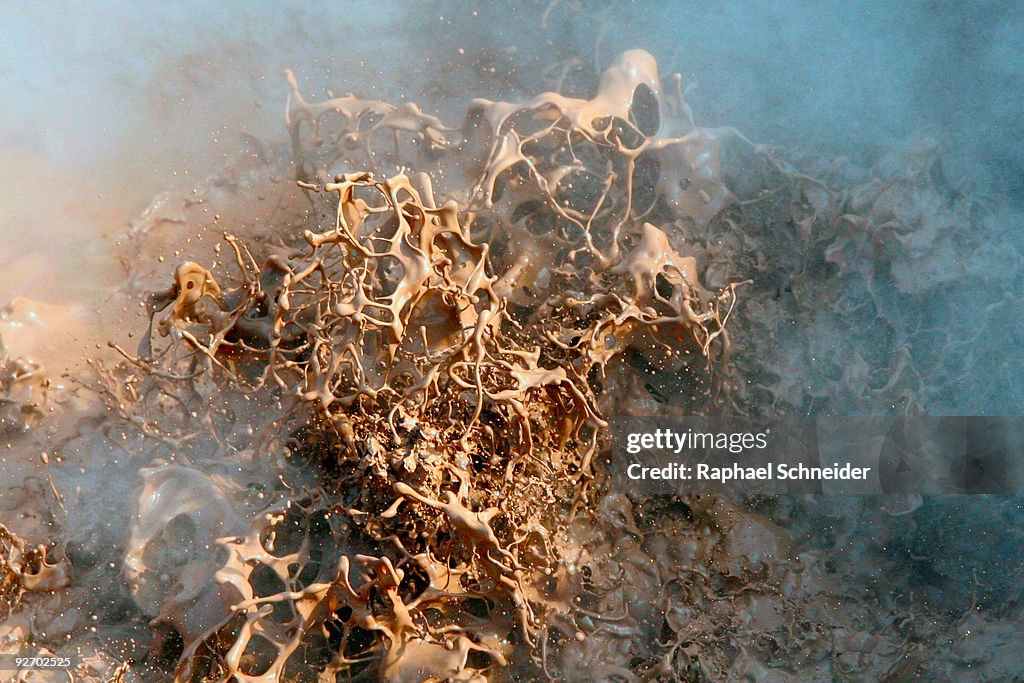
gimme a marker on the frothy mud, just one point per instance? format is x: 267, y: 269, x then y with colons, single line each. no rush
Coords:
x: 359, y: 434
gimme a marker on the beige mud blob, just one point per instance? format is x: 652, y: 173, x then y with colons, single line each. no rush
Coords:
x: 350, y: 595
x: 172, y: 550
x: 25, y: 568
x: 567, y: 182
x: 353, y: 123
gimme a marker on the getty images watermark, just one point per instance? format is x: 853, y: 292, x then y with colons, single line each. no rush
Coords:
x: 818, y: 455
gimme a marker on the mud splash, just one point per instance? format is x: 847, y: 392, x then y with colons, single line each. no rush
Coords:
x: 454, y: 436
x: 366, y: 427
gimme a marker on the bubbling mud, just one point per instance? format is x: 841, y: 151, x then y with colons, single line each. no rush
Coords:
x: 454, y: 436
x: 367, y: 426
x: 25, y: 569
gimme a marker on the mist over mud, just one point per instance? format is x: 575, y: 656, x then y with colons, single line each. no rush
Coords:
x: 312, y: 318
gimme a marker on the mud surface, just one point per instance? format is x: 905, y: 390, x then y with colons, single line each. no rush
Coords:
x: 358, y: 433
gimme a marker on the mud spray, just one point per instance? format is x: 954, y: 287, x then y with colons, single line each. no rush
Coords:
x: 354, y: 427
